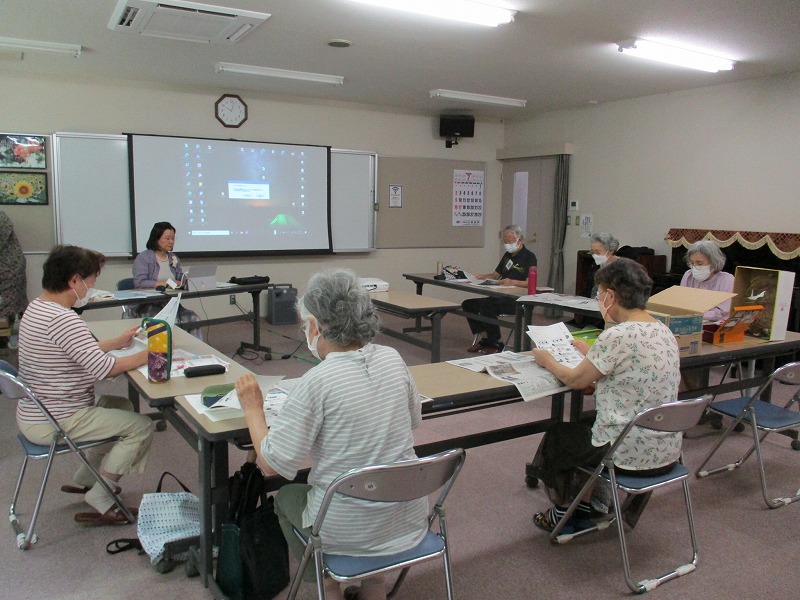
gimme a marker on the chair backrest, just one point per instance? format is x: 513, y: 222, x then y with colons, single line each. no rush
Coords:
x: 400, y: 481
x: 788, y: 373
x: 14, y: 388
x: 670, y: 417
x: 125, y: 284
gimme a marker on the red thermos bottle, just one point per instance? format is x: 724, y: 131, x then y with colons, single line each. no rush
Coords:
x: 532, y: 280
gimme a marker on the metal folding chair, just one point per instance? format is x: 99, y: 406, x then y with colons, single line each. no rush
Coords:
x: 128, y: 311
x: 396, y: 482
x: 670, y: 417
x: 763, y: 417
x: 13, y: 388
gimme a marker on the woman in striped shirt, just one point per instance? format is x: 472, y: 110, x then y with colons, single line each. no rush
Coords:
x: 60, y: 361
x: 354, y: 409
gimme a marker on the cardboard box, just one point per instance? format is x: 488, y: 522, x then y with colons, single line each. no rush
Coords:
x: 771, y: 289
x: 681, y: 309
x: 734, y: 327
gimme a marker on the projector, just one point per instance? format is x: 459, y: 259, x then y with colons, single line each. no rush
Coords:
x: 373, y: 285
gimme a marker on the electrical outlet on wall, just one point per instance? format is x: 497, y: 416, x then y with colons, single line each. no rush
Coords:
x: 232, y: 299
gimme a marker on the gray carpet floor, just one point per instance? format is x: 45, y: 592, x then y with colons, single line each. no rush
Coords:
x: 746, y: 550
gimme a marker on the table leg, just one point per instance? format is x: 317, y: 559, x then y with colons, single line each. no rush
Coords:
x: 205, y: 458
x: 436, y: 336
x: 256, y: 345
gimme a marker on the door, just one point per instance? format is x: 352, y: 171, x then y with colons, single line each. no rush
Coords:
x: 528, y: 192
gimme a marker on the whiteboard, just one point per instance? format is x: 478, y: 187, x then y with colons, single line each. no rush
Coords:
x: 92, y: 195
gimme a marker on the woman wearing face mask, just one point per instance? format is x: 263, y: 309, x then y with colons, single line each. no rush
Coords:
x: 634, y: 365
x: 511, y: 270
x: 60, y: 360
x: 705, y: 261
x: 355, y: 408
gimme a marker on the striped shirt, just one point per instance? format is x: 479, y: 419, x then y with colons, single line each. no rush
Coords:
x: 353, y: 410
x: 59, y: 359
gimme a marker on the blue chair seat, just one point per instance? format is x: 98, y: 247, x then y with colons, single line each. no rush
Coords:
x: 768, y: 415
x: 353, y: 566
x: 40, y: 451
x: 634, y: 482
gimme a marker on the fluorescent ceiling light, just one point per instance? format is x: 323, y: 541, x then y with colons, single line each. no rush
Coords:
x: 225, y: 67
x: 481, y: 98
x: 25, y: 45
x: 456, y: 10
x: 675, y: 56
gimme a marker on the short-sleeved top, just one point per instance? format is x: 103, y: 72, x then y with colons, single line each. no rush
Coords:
x: 641, y: 369
x: 59, y: 359
x: 718, y: 282
x: 354, y: 409
x: 516, y: 266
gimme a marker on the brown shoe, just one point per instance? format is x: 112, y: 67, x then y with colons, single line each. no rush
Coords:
x: 491, y: 347
x: 476, y: 347
x: 113, y: 516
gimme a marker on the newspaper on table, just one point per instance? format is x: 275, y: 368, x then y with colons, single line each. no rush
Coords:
x: 563, y: 301
x: 484, y: 282
x: 557, y: 340
x: 228, y: 407
x: 531, y: 380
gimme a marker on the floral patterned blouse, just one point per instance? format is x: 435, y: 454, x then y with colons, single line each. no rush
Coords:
x: 640, y: 364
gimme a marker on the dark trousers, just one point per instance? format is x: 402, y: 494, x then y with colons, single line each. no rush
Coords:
x: 488, y: 307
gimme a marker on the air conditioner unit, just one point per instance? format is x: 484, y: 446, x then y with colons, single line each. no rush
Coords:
x: 189, y: 21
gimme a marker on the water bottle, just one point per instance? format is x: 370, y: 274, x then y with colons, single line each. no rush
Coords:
x: 159, y: 350
x: 532, y: 280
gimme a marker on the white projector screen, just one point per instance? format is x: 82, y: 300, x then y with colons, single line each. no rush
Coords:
x: 231, y: 197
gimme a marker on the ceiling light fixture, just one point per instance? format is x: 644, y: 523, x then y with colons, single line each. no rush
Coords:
x: 26, y: 45
x: 675, y: 56
x: 456, y: 10
x: 226, y: 67
x: 480, y: 98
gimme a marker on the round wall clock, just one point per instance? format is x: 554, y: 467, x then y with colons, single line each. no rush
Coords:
x: 230, y: 110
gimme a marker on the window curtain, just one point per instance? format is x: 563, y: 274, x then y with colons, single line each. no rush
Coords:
x: 555, y: 279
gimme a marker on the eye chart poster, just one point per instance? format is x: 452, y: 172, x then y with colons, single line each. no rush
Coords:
x: 467, y: 198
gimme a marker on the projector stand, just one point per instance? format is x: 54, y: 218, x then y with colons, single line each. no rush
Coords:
x: 256, y: 348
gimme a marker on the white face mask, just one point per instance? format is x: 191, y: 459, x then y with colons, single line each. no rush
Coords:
x: 82, y: 301
x: 602, y: 306
x: 600, y: 259
x: 701, y: 273
x: 511, y: 248
x: 312, y: 343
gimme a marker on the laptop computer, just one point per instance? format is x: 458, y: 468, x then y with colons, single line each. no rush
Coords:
x: 201, y: 277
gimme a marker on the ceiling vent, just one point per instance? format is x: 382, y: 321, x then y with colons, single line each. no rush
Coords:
x: 189, y: 21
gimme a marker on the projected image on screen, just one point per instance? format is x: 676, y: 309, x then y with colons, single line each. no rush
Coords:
x: 231, y: 197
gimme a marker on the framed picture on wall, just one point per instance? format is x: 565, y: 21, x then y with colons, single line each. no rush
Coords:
x: 22, y: 151
x: 23, y: 188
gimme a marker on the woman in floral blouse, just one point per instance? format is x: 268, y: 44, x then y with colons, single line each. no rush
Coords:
x: 634, y: 365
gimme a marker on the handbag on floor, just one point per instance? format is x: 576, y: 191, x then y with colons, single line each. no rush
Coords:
x: 168, y: 522
x: 253, y: 557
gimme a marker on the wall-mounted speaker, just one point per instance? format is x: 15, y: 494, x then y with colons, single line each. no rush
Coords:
x: 456, y: 126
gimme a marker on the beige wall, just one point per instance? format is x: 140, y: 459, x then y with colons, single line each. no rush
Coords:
x: 722, y: 157
x: 113, y: 107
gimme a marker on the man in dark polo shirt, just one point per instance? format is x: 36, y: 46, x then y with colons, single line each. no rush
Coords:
x: 511, y: 270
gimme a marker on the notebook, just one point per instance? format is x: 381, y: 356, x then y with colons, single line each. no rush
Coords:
x: 201, y: 277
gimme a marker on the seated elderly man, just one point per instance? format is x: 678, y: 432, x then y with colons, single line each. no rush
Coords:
x: 511, y: 270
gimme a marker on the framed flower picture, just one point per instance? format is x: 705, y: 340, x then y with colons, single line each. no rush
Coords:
x: 21, y: 151
x: 23, y: 188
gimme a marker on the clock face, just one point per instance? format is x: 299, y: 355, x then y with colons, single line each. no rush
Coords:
x: 231, y: 110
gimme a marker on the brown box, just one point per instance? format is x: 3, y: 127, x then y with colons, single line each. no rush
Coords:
x: 681, y: 309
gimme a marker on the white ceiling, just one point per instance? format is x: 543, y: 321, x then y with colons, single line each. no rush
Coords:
x: 557, y: 53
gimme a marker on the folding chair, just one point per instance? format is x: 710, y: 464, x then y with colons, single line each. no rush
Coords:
x: 396, y: 482
x: 128, y: 311
x: 761, y: 416
x: 670, y: 417
x: 13, y: 388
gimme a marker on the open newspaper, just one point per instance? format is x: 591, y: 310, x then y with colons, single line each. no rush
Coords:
x: 227, y: 406
x: 557, y: 340
x: 531, y: 380
x: 139, y: 342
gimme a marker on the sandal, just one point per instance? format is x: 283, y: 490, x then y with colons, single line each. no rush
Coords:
x: 548, y: 519
x: 75, y: 489
x: 113, y: 516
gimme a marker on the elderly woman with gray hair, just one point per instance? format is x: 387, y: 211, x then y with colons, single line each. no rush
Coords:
x: 705, y: 261
x: 355, y: 408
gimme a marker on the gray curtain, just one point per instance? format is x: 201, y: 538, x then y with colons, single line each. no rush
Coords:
x: 561, y: 196
x: 556, y: 278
